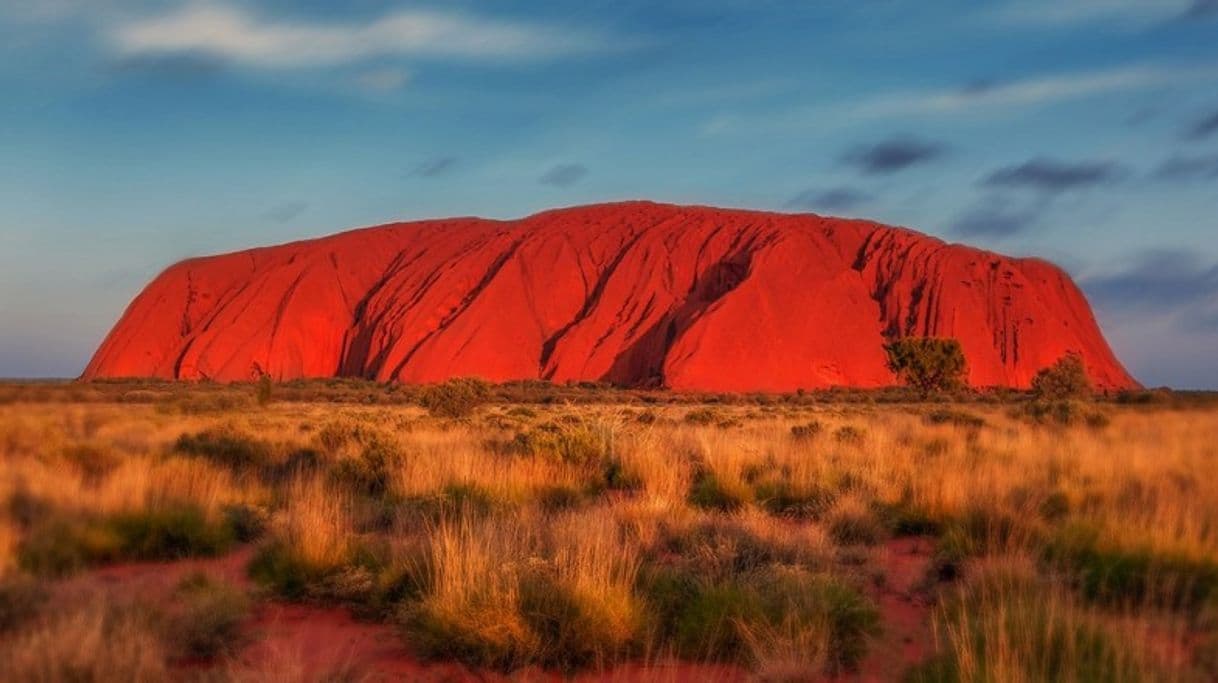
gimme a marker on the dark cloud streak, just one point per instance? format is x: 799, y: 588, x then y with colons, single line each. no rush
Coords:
x: 998, y: 217
x: 433, y: 168
x: 1160, y: 280
x: 1204, y: 128
x: 1186, y: 168
x: 286, y: 212
x: 564, y: 175
x: 893, y: 155
x: 1052, y: 177
x: 832, y: 199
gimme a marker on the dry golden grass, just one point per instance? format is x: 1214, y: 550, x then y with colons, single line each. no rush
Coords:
x: 580, y: 536
x: 96, y: 642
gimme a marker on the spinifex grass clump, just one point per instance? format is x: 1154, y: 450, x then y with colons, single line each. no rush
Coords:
x: 1006, y: 624
x: 503, y: 594
x: 205, y: 617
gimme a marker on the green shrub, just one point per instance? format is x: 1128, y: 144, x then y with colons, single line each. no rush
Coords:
x: 1119, y: 576
x: 59, y: 546
x: 284, y: 571
x: 1064, y: 380
x: 455, y: 398
x: 927, y: 364
x: 170, y: 533
x: 712, y: 493
x: 227, y: 447
x: 1012, y: 628
x: 739, y: 619
x: 206, y: 617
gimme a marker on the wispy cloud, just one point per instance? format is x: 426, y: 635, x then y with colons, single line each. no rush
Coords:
x: 386, y: 79
x: 286, y: 212
x: 1069, y: 13
x: 1039, y: 90
x: 436, y: 167
x: 237, y: 35
x: 564, y: 175
x: 832, y: 199
x: 974, y: 98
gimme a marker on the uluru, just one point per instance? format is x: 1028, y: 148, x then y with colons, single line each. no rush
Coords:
x: 636, y: 294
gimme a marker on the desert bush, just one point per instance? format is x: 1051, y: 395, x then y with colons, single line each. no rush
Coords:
x: 927, y: 364
x: 264, y: 392
x: 1064, y: 380
x: 959, y: 418
x: 456, y: 397
x: 21, y: 598
x: 206, y: 617
x: 849, y: 434
x: 806, y: 431
x: 574, y: 444
x: 701, y: 416
x: 1064, y: 413
x: 369, y: 473
x: 94, y: 462
x: 227, y: 447
x: 168, y: 533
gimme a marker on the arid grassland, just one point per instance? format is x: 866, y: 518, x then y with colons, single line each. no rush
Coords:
x: 350, y: 532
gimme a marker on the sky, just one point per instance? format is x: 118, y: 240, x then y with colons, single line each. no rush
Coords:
x: 136, y: 133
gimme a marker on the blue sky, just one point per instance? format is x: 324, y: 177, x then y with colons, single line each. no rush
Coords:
x: 136, y: 133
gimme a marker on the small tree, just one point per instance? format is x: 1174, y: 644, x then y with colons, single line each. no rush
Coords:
x: 457, y: 397
x: 927, y: 364
x: 266, y: 389
x: 1065, y: 379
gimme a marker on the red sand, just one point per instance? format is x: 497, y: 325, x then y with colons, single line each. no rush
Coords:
x: 639, y: 294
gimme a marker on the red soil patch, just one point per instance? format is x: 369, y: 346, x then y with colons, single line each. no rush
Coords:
x: 907, y: 638
x: 638, y: 294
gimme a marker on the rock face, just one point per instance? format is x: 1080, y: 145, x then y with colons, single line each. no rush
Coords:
x: 635, y: 293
